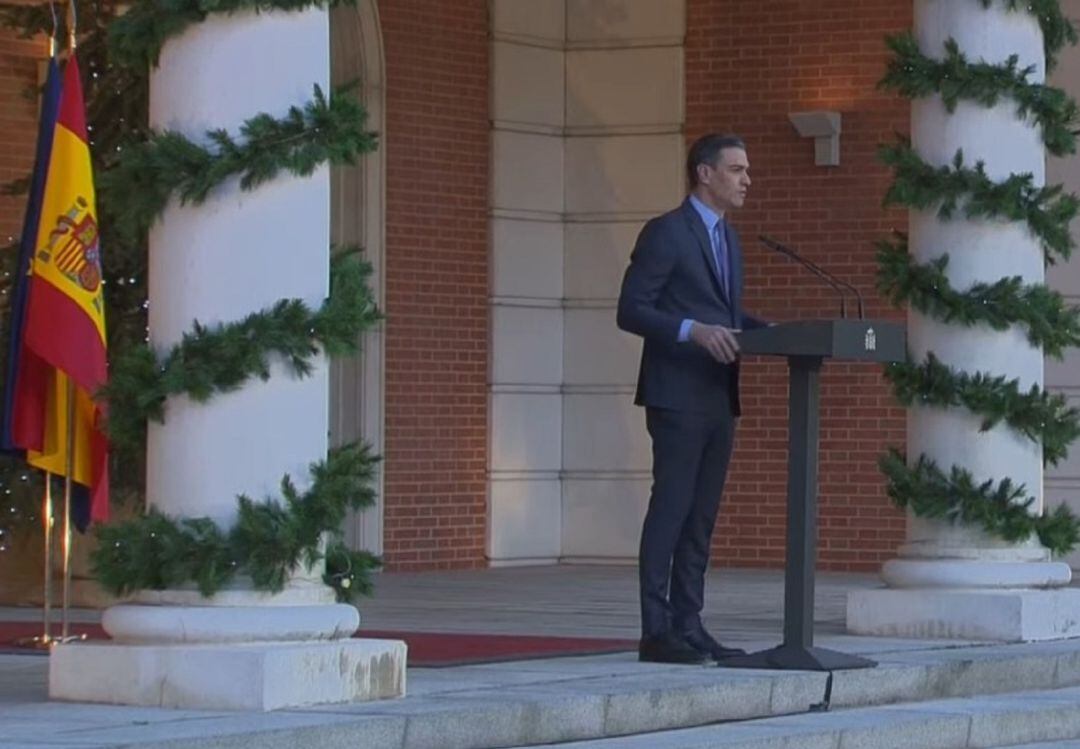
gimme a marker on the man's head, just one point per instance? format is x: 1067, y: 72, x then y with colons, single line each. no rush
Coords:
x: 718, y: 171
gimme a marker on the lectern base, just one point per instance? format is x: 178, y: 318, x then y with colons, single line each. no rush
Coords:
x: 798, y: 658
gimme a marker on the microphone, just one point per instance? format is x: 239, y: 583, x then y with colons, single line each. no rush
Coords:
x: 824, y: 275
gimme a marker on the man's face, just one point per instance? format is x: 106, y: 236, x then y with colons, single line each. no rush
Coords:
x: 727, y: 182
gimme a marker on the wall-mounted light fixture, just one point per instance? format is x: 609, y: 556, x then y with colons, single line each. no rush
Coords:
x: 824, y: 128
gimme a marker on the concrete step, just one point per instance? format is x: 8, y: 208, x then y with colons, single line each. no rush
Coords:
x: 560, y: 700
x: 1002, y: 721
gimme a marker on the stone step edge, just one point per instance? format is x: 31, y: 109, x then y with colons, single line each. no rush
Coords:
x: 1014, y: 720
x: 610, y: 706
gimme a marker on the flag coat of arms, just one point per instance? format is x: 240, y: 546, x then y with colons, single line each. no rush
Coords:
x: 63, y: 321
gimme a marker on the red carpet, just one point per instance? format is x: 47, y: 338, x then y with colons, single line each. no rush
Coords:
x: 446, y: 649
x: 432, y: 649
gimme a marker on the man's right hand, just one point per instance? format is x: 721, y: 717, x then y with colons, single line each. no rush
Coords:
x: 719, y: 341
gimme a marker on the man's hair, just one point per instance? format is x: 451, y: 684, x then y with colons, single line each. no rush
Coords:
x: 706, y: 150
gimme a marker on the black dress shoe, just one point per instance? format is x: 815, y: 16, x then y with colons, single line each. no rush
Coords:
x: 670, y: 648
x: 701, y: 640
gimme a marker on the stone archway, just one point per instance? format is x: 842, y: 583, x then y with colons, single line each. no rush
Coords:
x: 357, y: 217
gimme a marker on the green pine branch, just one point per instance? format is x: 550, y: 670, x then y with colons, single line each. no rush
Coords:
x: 954, y: 78
x: 1037, y: 414
x: 1001, y: 509
x: 169, y: 164
x: 1050, y: 323
x: 138, y: 36
x: 954, y: 188
x: 220, y: 359
x: 1058, y: 30
x: 342, y: 564
x: 117, y: 44
x: 269, y: 541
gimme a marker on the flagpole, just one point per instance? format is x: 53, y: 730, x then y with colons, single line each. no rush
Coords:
x: 69, y: 466
x: 55, y: 29
x: 44, y: 640
x: 73, y: 21
x: 69, y: 472
x: 69, y: 458
x: 47, y: 511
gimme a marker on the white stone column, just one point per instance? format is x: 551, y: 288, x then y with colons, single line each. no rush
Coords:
x: 958, y: 581
x: 237, y: 253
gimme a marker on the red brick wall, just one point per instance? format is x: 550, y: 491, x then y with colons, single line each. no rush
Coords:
x: 436, y: 277
x: 748, y: 64
x: 436, y: 282
x: 18, y: 120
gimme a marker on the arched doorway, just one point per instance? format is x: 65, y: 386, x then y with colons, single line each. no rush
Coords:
x: 357, y: 217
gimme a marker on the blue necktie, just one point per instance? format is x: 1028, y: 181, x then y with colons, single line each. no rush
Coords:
x: 720, y: 252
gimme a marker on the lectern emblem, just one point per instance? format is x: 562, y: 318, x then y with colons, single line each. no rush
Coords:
x: 870, y: 342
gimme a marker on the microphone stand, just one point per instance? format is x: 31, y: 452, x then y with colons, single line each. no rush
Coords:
x: 821, y: 273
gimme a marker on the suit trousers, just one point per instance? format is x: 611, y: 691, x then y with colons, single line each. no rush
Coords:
x: 691, y: 453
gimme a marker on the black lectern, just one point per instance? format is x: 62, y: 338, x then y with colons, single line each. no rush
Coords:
x: 806, y: 345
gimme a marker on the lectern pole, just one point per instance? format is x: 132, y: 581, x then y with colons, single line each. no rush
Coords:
x: 803, y: 432
x: 798, y: 651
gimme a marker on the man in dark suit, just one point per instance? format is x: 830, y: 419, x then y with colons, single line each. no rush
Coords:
x: 682, y: 293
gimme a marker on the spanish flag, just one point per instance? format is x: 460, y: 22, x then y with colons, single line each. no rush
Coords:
x: 50, y: 104
x: 63, y: 330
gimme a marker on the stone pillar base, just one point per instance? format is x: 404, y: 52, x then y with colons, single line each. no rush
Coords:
x: 1005, y: 615
x: 260, y: 676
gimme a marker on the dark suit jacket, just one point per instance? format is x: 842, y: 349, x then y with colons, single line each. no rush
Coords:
x: 672, y: 277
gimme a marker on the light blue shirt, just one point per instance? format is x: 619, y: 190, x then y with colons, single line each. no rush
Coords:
x: 714, y: 224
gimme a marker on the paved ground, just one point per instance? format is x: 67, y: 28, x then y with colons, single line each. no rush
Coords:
x: 568, y: 699
x: 589, y: 601
x: 743, y: 606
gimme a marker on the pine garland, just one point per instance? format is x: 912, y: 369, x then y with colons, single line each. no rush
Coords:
x: 1046, y: 210
x: 138, y: 36
x: 169, y: 164
x: 268, y: 542
x: 1001, y: 510
x: 347, y: 570
x: 137, y: 172
x: 915, y: 75
x: 220, y: 359
x: 1036, y: 414
x: 1049, y: 322
x: 1058, y: 30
